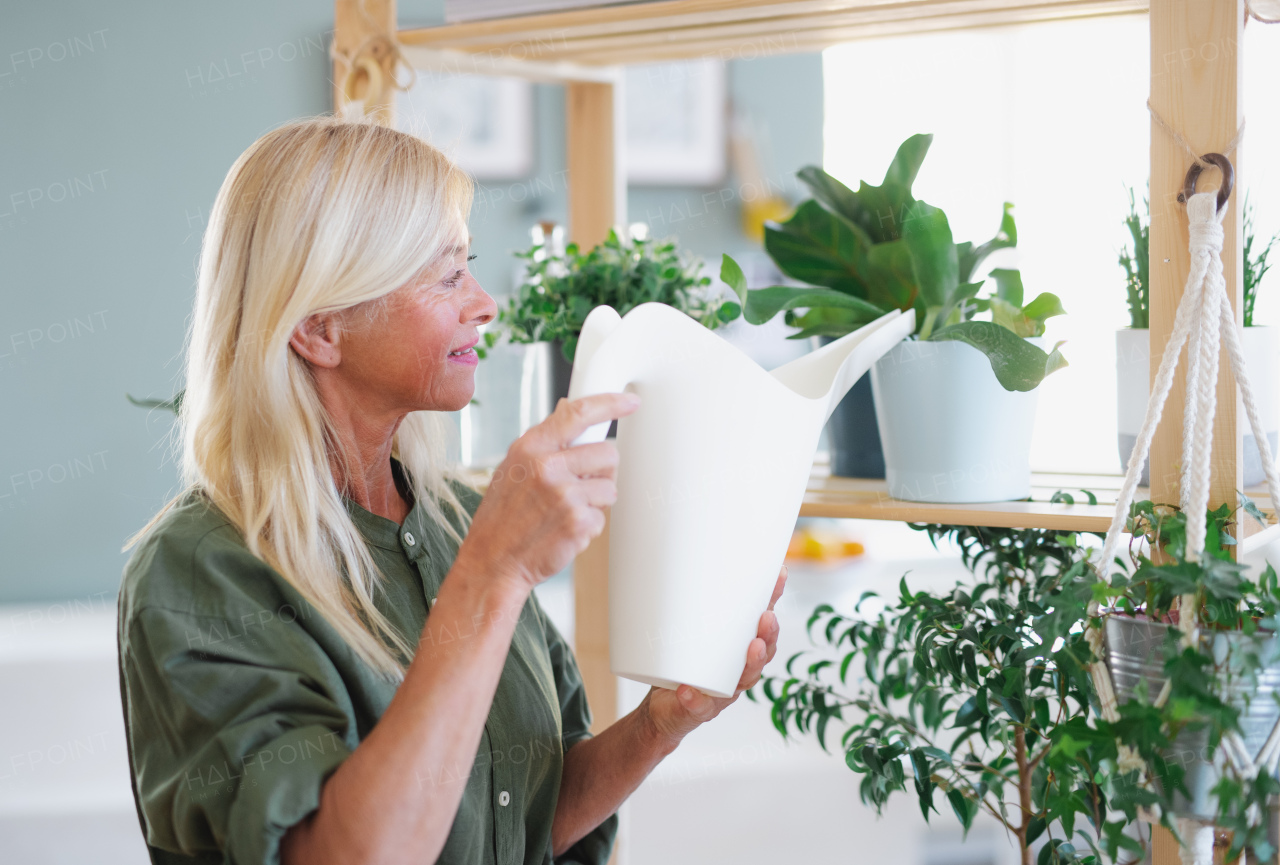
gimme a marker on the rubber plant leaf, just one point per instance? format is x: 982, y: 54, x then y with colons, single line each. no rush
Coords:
x: 1017, y: 364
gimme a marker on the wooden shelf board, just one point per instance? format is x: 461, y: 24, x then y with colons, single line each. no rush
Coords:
x: 676, y: 29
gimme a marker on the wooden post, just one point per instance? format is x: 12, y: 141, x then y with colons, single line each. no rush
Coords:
x: 354, y: 21
x: 1196, y: 72
x: 593, y: 141
x: 1196, y: 75
x: 597, y: 202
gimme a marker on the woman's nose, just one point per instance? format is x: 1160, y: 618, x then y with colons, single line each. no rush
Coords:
x: 482, y: 309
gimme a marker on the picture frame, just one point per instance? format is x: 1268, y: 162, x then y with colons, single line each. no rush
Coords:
x: 483, y: 122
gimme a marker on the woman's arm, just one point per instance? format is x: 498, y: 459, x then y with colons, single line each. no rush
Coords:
x: 395, y: 797
x: 601, y: 772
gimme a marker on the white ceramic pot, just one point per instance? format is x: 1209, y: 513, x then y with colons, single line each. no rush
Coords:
x: 1133, y: 385
x: 950, y: 431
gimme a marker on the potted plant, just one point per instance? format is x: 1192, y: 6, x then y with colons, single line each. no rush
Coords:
x: 1133, y: 344
x: 974, y: 700
x: 561, y: 287
x: 955, y: 404
x: 1191, y: 699
x: 981, y: 696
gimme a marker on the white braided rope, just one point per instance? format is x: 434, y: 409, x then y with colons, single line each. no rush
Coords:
x: 1204, y: 323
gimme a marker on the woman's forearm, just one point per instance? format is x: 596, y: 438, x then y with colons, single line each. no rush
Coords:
x: 395, y: 797
x: 601, y: 772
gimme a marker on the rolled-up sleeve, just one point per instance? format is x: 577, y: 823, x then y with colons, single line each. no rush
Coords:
x: 230, y: 736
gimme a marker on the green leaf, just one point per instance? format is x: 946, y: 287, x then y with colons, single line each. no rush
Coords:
x: 934, y: 263
x: 1008, y: 286
x: 1046, y: 305
x: 1006, y: 237
x: 1018, y: 365
x: 731, y: 274
x: 907, y: 161
x: 821, y: 248
x: 728, y: 311
x: 763, y: 304
x: 965, y: 809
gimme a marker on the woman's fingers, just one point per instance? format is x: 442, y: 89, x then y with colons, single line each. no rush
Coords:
x: 779, y: 586
x: 572, y: 418
x: 598, y: 460
x: 757, y: 657
x: 768, y: 631
x: 598, y: 492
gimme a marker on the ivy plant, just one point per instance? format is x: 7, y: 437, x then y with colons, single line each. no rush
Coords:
x: 559, y: 291
x: 867, y: 252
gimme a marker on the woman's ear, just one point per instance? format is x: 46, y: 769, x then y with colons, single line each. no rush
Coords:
x: 317, y: 339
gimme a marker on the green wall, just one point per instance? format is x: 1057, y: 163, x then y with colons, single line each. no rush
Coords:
x: 118, y: 124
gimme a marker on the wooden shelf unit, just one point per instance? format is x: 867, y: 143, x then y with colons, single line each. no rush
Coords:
x: 1196, y: 91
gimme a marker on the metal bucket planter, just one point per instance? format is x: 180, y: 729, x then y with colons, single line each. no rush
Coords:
x: 1135, y: 653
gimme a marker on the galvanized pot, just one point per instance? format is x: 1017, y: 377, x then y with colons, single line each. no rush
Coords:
x: 1135, y: 653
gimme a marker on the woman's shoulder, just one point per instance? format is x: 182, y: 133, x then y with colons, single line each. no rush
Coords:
x: 193, y: 560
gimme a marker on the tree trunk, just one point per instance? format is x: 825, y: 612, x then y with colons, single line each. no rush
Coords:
x: 1024, y: 790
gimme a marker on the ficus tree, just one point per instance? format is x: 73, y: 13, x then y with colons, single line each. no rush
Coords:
x: 975, y: 699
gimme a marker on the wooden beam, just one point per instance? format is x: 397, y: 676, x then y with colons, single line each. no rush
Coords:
x: 355, y: 21
x: 676, y: 29
x: 1196, y: 74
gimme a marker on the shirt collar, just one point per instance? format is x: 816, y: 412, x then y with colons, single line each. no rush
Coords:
x: 382, y: 532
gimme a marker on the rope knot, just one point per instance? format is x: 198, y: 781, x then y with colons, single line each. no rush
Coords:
x: 1205, y: 223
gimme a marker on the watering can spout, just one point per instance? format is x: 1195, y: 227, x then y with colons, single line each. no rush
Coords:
x: 829, y: 372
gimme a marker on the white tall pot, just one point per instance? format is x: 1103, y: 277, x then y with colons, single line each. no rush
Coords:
x: 950, y: 431
x: 1133, y: 385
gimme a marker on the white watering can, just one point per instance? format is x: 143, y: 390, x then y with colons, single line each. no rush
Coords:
x: 712, y: 470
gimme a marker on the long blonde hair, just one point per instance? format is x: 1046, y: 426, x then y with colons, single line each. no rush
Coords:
x: 318, y: 215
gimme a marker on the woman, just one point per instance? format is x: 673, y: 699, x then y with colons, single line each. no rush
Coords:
x: 330, y: 647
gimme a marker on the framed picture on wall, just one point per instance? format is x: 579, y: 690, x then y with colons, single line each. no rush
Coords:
x: 484, y: 123
x: 676, y: 123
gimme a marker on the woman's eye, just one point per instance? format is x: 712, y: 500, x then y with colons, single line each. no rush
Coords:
x: 471, y: 257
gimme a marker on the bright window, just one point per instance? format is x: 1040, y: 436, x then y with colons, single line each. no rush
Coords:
x: 1053, y: 118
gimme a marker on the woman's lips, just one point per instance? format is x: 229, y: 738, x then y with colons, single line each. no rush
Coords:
x: 466, y: 356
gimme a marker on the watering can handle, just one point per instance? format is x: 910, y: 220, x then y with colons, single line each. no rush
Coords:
x: 590, y: 377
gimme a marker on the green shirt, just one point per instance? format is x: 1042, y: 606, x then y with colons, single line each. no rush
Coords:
x: 240, y: 700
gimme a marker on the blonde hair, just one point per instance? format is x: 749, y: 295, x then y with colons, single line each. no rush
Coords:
x: 317, y: 215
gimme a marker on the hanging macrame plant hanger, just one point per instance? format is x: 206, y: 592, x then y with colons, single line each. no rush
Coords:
x: 1205, y: 320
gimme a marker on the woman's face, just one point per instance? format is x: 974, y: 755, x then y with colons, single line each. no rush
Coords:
x: 419, y: 354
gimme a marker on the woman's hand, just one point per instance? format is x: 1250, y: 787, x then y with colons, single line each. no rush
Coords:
x: 546, y: 500
x: 674, y: 714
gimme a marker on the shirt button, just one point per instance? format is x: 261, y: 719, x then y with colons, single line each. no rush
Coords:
x: 504, y: 798
x: 433, y: 602
x: 408, y: 538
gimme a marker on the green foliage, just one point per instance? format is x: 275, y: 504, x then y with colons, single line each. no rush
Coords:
x: 558, y: 292
x: 1137, y: 265
x: 174, y: 404
x: 975, y: 699
x: 877, y: 249
x: 1226, y: 600
x: 981, y: 696
x: 1255, y: 265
